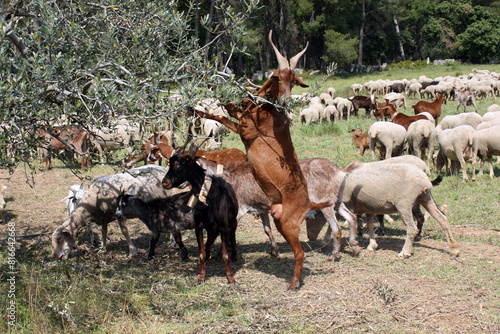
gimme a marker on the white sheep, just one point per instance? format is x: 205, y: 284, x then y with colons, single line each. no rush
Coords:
x: 392, y: 188
x: 99, y: 203
x: 396, y: 99
x: 388, y: 137
x: 420, y: 138
x: 486, y: 144
x: 485, y: 125
x: 356, y: 88
x: 329, y: 113
x: 402, y: 159
x: 455, y: 144
x: 414, y: 90
x: 344, y: 107
x: 493, y: 107
x: 491, y: 114
x: 452, y: 121
x: 309, y: 115
x: 331, y: 91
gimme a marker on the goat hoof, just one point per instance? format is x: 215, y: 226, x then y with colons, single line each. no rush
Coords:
x: 356, y: 250
x: 404, y: 255
x: 274, y: 253
x: 334, y: 258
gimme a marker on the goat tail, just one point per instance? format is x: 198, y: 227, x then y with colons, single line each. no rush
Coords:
x: 352, y: 166
x: 437, y: 180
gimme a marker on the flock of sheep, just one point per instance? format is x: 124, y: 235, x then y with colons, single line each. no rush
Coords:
x: 461, y: 137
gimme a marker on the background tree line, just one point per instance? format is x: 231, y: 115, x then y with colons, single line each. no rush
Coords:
x: 369, y: 32
x: 89, y: 62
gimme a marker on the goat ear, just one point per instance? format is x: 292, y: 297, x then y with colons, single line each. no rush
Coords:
x: 300, y: 82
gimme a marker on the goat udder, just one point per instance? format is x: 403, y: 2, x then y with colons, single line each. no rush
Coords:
x: 276, y: 211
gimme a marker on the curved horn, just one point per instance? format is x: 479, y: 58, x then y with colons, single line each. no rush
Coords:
x: 282, y: 62
x: 295, y: 59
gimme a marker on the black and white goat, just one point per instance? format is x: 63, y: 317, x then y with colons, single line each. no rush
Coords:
x: 217, y: 211
x: 161, y: 215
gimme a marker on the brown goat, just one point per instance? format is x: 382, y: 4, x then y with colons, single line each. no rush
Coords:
x: 402, y: 119
x: 61, y: 138
x: 433, y: 108
x: 360, y: 139
x: 379, y: 112
x: 265, y: 131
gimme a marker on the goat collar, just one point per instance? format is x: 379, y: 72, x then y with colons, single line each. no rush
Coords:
x: 201, y: 197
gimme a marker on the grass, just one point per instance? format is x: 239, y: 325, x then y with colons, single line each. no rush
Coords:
x: 107, y: 292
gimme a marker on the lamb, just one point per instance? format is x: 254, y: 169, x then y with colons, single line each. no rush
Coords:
x: 389, y: 137
x: 99, y: 203
x: 421, y: 137
x: 451, y: 121
x: 455, y: 144
x: 160, y: 215
x: 394, y: 188
x: 485, y: 145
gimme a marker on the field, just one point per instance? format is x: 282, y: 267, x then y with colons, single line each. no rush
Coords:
x: 107, y: 292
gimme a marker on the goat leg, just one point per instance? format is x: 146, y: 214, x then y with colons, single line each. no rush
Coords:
x: 152, y: 244
x: 182, y: 248
x: 201, y: 249
x: 225, y: 256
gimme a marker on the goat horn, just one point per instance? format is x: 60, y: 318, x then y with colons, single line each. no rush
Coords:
x: 253, y: 85
x: 282, y: 62
x: 295, y: 59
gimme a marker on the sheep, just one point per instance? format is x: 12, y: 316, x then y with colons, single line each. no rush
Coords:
x: 2, y: 202
x: 330, y: 112
x: 160, y: 215
x: 454, y: 144
x: 356, y: 88
x: 396, y: 99
x: 491, y: 114
x: 485, y: 145
x: 99, y: 203
x: 388, y: 137
x: 309, y: 115
x: 217, y: 207
x: 344, y: 106
x: 430, y: 92
x: 394, y: 188
x: 421, y: 137
x: 493, y: 107
x: 484, y: 125
x: 331, y: 91
x: 414, y: 90
x: 451, y: 121
x: 324, y: 97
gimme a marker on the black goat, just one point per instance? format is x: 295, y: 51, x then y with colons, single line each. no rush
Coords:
x: 218, y: 213
x: 161, y: 215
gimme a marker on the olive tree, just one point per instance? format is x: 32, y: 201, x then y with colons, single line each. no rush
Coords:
x: 90, y: 63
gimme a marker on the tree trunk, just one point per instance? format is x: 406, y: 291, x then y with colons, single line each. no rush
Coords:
x: 401, y: 50
x: 197, y: 20
x: 361, y: 33
x: 210, y: 24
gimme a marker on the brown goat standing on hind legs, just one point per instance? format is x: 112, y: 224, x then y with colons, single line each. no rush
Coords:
x: 265, y: 131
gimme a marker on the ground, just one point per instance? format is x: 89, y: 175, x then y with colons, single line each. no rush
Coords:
x: 376, y: 292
